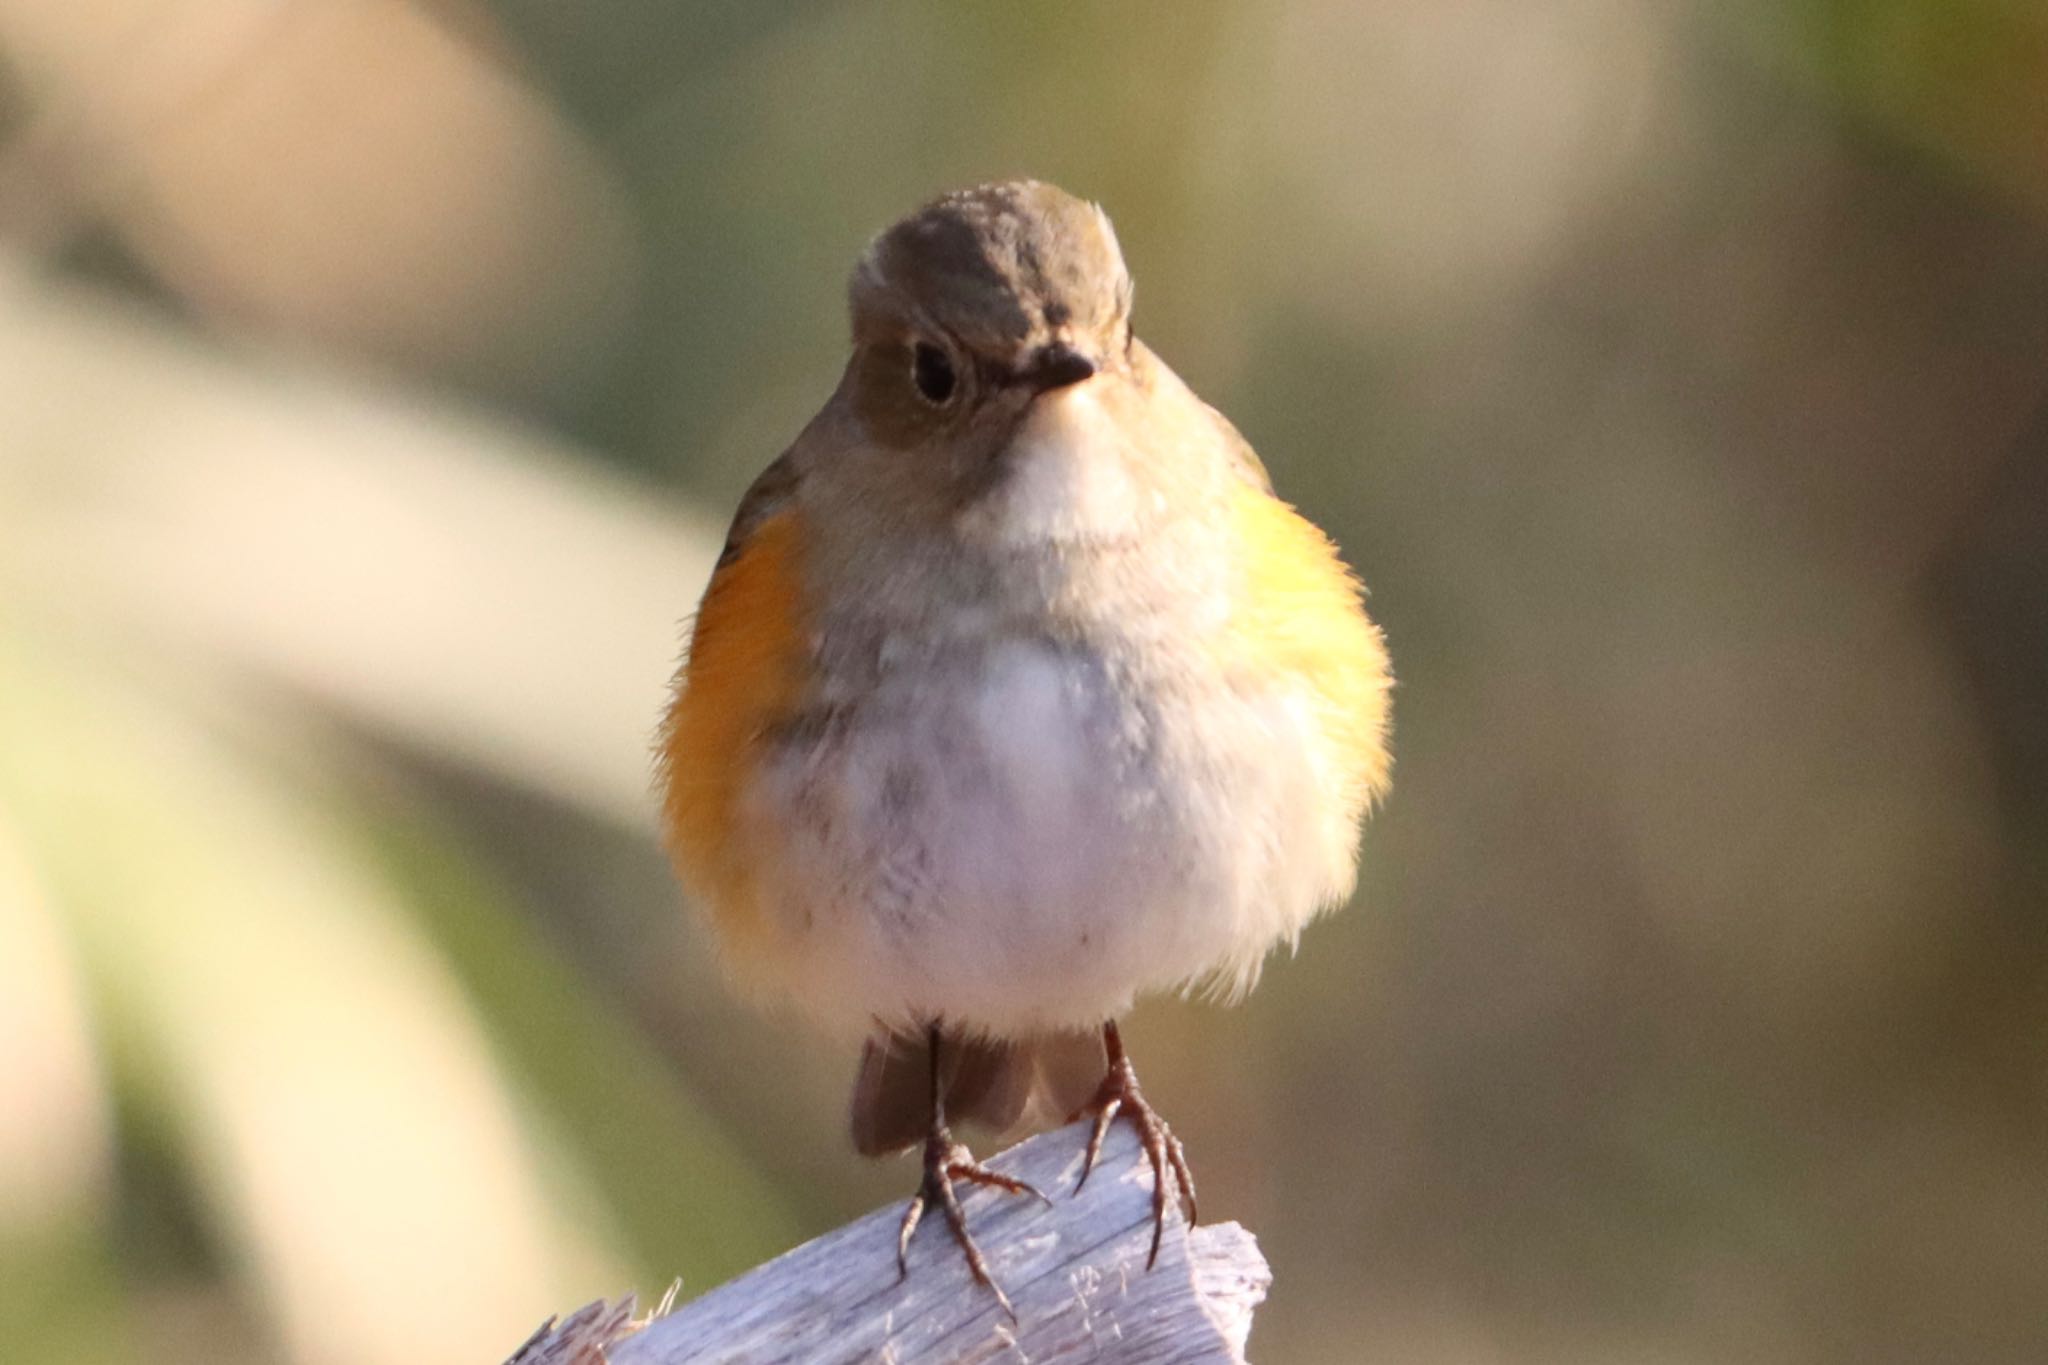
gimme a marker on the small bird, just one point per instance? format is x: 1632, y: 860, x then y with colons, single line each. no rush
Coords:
x: 1016, y: 694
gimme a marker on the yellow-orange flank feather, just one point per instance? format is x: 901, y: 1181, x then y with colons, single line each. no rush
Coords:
x: 742, y: 675
x: 1299, y: 617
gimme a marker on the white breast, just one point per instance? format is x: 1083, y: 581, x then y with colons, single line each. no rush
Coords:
x: 1027, y: 838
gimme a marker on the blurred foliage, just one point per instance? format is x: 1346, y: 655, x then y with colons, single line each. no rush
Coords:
x: 1676, y: 375
x: 1961, y: 80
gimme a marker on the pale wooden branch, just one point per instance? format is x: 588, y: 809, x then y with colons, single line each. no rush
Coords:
x: 1075, y: 1271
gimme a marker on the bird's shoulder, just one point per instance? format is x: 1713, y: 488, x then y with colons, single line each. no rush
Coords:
x: 1243, y: 461
x: 771, y: 494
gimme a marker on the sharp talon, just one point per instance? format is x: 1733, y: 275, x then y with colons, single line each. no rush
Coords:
x: 961, y: 1165
x: 956, y: 1218
x: 1003, y: 1299
x: 981, y: 1175
x: 911, y: 1216
x: 1183, y: 1178
x: 1103, y: 1118
x: 1119, y: 1097
x: 945, y: 1162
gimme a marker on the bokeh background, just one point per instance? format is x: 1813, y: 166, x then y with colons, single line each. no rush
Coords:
x: 375, y: 379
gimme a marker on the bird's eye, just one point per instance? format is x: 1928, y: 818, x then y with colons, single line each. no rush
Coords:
x: 933, y: 374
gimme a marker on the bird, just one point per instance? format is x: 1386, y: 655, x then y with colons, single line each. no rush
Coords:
x: 1017, y: 693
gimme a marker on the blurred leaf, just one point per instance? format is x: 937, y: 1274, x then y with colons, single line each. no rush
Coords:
x: 59, y: 1299
x: 264, y: 991
x: 684, y: 1194
x: 1961, y: 78
x: 457, y: 583
x: 641, y: 50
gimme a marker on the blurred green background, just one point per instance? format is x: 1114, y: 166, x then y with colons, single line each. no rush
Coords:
x: 376, y: 377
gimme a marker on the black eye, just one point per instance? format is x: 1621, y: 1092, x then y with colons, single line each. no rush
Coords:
x: 932, y: 373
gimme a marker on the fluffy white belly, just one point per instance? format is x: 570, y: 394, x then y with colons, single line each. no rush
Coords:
x: 1020, y: 839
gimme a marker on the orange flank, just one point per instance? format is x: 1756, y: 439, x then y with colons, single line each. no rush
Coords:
x: 742, y: 675
x: 1299, y: 615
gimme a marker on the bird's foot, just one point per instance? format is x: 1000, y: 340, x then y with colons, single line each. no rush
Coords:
x: 1119, y: 1097
x: 946, y: 1161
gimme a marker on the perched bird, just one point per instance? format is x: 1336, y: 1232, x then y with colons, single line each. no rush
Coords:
x: 1016, y: 694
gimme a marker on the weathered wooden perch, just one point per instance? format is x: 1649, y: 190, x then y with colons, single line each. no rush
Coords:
x: 1075, y: 1271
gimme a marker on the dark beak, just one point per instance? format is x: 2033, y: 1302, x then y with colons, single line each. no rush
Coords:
x: 1057, y: 366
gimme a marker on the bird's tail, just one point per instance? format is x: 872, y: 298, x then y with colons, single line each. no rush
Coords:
x: 1001, y: 1084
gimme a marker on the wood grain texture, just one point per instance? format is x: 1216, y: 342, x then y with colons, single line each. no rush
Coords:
x: 1075, y: 1270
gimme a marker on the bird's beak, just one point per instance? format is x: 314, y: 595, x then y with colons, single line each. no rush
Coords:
x: 1057, y: 365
